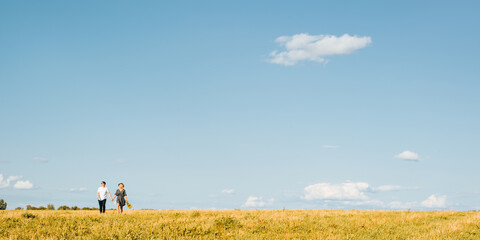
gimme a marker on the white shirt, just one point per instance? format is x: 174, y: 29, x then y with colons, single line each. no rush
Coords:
x: 102, y: 192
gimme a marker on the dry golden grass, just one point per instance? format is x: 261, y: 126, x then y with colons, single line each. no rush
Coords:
x: 237, y: 224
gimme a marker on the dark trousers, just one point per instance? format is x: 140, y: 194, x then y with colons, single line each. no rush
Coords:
x: 102, y: 205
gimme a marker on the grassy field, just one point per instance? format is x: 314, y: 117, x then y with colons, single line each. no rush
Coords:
x: 240, y: 224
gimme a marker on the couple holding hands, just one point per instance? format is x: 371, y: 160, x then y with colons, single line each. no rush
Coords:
x: 120, y: 194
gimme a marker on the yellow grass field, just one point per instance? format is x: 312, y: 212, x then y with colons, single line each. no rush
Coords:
x: 240, y: 224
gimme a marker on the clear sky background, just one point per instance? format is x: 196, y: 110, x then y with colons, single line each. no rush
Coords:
x: 185, y: 103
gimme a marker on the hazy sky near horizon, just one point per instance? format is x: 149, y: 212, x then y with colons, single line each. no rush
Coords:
x: 222, y: 104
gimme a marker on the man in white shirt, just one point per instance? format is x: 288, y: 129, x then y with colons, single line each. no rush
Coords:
x: 102, y: 196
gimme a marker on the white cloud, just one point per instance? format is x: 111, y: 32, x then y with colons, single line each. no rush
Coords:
x: 342, y: 191
x: 23, y: 185
x: 434, y: 201
x: 431, y: 202
x: 81, y: 189
x: 40, y: 160
x: 305, y: 47
x: 6, y: 182
x: 408, y: 156
x: 222, y: 193
x: 360, y: 194
x: 253, y: 201
x: 385, y: 188
x: 330, y: 146
x: 348, y: 191
x: 228, y: 191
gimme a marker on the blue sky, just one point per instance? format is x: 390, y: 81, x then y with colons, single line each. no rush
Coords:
x: 218, y: 104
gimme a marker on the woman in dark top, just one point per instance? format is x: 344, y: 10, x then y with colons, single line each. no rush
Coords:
x: 121, y: 196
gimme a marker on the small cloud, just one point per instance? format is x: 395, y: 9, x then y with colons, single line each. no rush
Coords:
x: 23, y: 185
x: 330, y: 146
x: 348, y: 193
x: 342, y: 191
x: 222, y: 193
x: 305, y: 47
x: 253, y: 201
x: 40, y: 160
x: 434, y: 201
x: 6, y: 182
x: 408, y: 156
x: 401, y: 205
x: 228, y: 191
x: 385, y: 188
x: 81, y: 189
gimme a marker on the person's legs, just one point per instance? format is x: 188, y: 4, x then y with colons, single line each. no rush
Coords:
x: 118, y: 207
x: 121, y: 209
x: 104, y: 203
x: 100, y: 205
